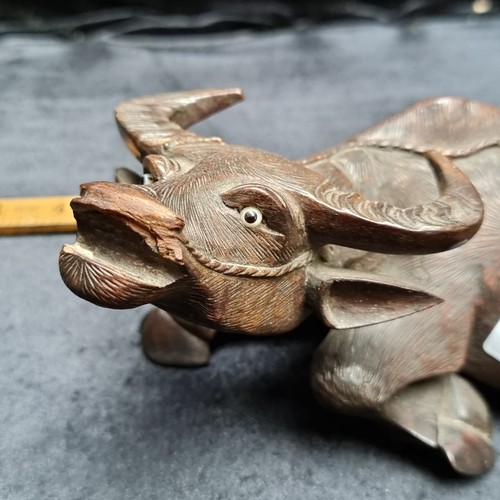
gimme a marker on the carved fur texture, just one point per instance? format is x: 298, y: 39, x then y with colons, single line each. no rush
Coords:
x: 372, y: 235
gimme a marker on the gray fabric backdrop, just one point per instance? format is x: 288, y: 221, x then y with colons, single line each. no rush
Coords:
x: 82, y: 413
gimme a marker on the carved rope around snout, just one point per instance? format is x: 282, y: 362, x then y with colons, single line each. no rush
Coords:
x: 233, y: 269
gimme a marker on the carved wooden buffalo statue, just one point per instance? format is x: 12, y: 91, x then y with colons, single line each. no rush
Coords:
x: 367, y: 234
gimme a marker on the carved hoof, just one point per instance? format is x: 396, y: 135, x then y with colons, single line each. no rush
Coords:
x: 468, y: 450
x: 447, y: 413
x: 166, y: 342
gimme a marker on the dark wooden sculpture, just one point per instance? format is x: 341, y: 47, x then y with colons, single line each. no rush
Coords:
x: 367, y: 234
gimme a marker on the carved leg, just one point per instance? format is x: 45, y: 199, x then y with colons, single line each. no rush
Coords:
x: 171, y: 341
x: 351, y: 374
x: 446, y: 412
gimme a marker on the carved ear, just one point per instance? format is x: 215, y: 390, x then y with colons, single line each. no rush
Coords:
x: 350, y: 299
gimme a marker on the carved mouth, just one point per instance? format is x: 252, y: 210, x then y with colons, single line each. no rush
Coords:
x: 115, y: 261
x: 109, y: 282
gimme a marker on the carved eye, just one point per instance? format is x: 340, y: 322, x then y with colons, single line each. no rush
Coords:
x: 148, y: 179
x: 251, y: 216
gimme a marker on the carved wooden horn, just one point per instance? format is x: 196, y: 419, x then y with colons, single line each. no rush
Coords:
x: 348, y: 219
x: 150, y: 124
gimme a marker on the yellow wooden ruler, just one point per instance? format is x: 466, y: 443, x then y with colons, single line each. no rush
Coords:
x: 51, y: 214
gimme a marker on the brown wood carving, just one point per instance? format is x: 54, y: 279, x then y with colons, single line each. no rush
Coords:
x: 369, y: 235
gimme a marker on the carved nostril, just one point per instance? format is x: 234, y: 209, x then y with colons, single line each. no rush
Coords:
x: 84, y: 189
x: 90, y: 187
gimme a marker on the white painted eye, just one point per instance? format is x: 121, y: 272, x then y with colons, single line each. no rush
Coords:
x: 147, y: 179
x: 251, y: 216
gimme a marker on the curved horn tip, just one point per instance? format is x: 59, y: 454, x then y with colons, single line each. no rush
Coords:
x: 450, y: 176
x: 441, y: 163
x: 226, y: 97
x: 348, y: 219
x: 148, y: 123
x: 236, y: 93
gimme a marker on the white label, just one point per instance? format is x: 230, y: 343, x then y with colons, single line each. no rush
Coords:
x: 491, y: 345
